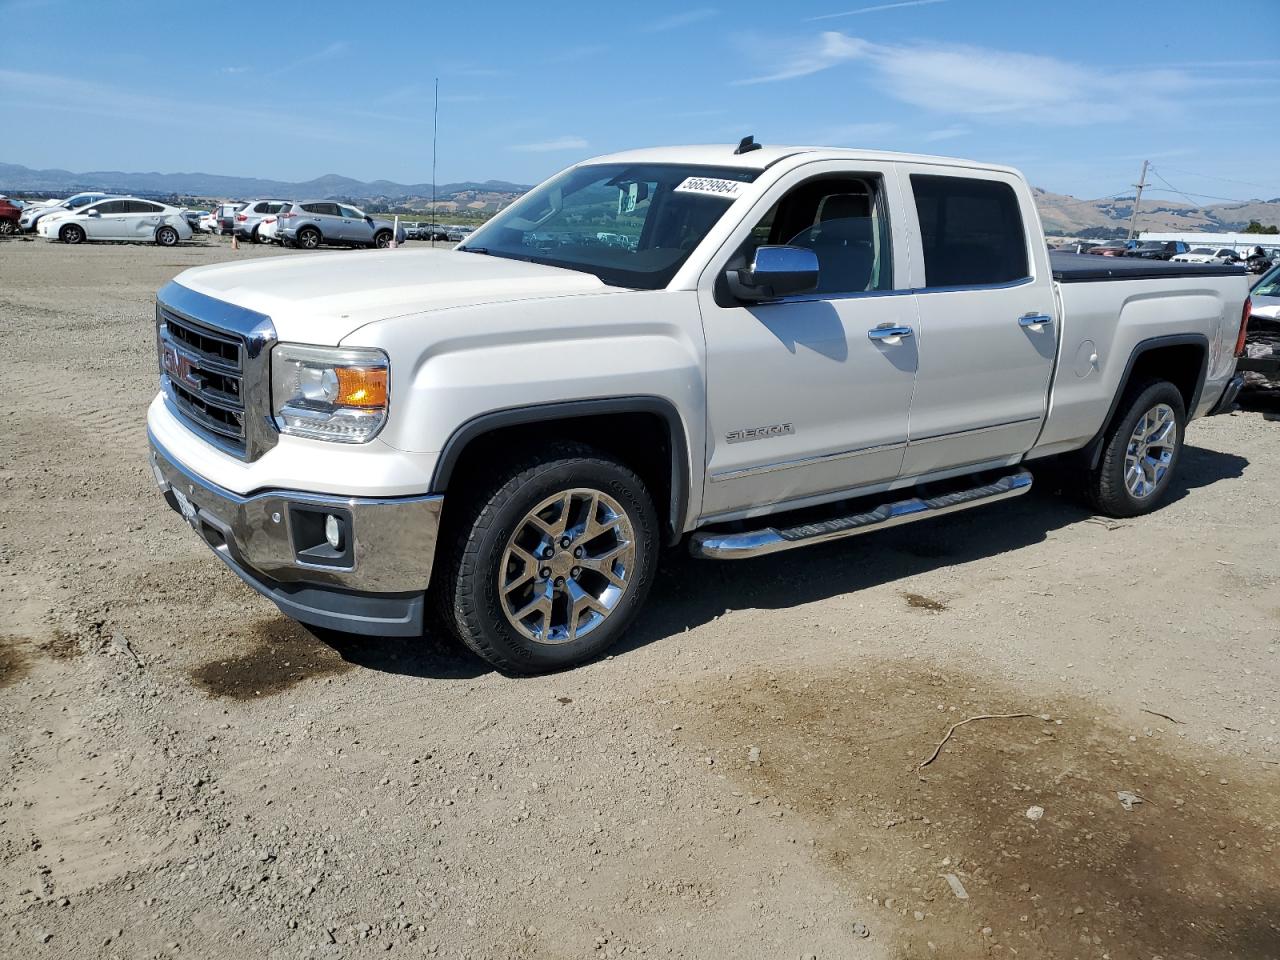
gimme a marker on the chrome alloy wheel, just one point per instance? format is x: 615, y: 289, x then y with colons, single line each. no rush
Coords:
x: 1149, y: 454
x: 567, y: 566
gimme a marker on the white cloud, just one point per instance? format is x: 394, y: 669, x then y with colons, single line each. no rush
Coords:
x: 946, y: 133
x: 677, y: 20
x: 876, y: 8
x: 809, y: 57
x: 550, y: 146
x: 978, y: 82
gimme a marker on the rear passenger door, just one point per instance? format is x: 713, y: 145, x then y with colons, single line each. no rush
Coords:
x: 142, y: 219
x: 355, y: 228
x: 987, y: 318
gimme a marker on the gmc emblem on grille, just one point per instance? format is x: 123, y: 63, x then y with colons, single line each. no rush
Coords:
x: 180, y: 368
x: 759, y: 433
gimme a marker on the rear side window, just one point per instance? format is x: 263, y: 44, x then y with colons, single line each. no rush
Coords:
x: 142, y: 206
x: 972, y: 231
x: 329, y: 209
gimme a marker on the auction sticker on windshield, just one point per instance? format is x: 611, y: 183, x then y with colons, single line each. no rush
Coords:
x: 711, y: 187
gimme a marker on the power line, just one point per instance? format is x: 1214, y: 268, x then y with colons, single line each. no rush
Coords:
x: 1243, y: 183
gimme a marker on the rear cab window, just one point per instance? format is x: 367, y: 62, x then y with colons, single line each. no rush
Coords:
x: 971, y: 231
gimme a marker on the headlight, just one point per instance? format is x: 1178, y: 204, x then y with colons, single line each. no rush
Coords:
x: 329, y: 393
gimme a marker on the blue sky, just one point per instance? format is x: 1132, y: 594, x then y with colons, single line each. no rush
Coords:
x: 1076, y: 93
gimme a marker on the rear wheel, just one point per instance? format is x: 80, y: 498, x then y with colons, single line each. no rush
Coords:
x: 71, y: 233
x: 308, y: 238
x: 1142, y: 449
x: 254, y: 236
x: 167, y: 236
x: 550, y: 564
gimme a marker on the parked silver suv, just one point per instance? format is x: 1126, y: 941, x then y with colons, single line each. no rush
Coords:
x: 250, y: 217
x: 316, y: 222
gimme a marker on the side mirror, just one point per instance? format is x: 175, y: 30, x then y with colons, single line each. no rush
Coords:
x: 92, y: 213
x: 776, y: 271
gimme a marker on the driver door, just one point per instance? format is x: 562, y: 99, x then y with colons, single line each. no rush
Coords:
x: 805, y: 400
x: 109, y: 224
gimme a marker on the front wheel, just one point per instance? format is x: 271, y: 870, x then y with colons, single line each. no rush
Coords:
x: 382, y: 239
x: 1141, y: 453
x: 8, y: 227
x: 167, y: 237
x: 550, y: 565
x: 71, y: 233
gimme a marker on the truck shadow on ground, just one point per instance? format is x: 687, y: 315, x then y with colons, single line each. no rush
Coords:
x: 689, y: 592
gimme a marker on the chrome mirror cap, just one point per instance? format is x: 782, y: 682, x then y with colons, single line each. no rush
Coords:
x: 776, y: 271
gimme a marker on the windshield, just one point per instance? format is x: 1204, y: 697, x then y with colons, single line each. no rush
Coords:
x: 1152, y: 245
x: 632, y: 225
x: 1269, y: 285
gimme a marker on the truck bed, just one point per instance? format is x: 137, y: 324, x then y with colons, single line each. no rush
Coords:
x: 1085, y: 267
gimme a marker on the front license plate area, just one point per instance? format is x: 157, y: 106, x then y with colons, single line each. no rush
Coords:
x: 185, y: 507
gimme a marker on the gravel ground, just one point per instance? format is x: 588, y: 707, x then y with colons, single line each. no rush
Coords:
x: 185, y: 773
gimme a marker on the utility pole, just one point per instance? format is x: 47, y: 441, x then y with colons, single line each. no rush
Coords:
x: 435, y: 125
x: 1142, y: 182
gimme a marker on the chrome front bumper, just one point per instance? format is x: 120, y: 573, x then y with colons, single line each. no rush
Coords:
x: 374, y: 585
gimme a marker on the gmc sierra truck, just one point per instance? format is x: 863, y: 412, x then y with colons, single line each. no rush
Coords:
x: 748, y: 349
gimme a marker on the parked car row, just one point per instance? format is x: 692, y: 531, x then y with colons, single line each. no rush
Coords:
x: 1256, y: 259
x: 308, y: 225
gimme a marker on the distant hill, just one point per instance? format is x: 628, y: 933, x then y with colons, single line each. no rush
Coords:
x: 1061, y: 214
x: 1068, y: 215
x: 15, y: 178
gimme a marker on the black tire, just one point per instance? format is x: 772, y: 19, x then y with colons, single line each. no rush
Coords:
x: 309, y: 238
x: 471, y: 553
x: 1107, y: 489
x: 8, y: 227
x: 167, y: 237
x: 254, y: 235
x: 71, y: 233
x: 382, y: 239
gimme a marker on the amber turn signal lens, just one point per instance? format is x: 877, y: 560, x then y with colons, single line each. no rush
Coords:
x: 361, y: 386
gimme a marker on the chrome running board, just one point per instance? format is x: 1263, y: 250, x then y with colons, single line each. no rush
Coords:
x: 755, y: 543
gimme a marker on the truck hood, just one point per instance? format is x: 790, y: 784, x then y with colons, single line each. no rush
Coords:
x: 322, y: 298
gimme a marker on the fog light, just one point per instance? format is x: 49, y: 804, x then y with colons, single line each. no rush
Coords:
x: 333, y: 531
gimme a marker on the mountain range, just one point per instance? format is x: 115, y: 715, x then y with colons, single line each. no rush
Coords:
x: 1061, y: 214
x: 15, y: 178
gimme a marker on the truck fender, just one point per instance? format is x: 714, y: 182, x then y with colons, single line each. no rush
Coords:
x: 1093, y: 450
x: 581, y: 409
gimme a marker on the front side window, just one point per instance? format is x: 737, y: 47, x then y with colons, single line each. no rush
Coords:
x: 78, y: 202
x: 631, y: 225
x: 971, y: 231
x: 351, y: 212
x: 843, y: 220
x: 113, y: 206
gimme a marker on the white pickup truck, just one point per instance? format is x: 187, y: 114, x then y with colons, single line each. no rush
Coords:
x: 747, y: 349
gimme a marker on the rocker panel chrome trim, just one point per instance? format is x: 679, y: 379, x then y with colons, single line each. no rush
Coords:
x: 756, y: 543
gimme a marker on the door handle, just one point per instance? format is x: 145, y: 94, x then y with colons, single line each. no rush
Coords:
x: 1034, y: 320
x: 888, y: 334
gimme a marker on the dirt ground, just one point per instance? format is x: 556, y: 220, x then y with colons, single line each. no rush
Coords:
x: 185, y: 773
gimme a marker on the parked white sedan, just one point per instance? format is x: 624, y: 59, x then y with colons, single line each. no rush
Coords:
x: 1208, y: 255
x: 119, y: 218
x: 268, y: 229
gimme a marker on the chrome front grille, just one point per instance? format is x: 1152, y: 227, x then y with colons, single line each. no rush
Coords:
x: 204, y: 376
x: 214, y: 360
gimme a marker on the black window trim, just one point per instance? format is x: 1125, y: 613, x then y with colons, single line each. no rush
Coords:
x: 882, y: 198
